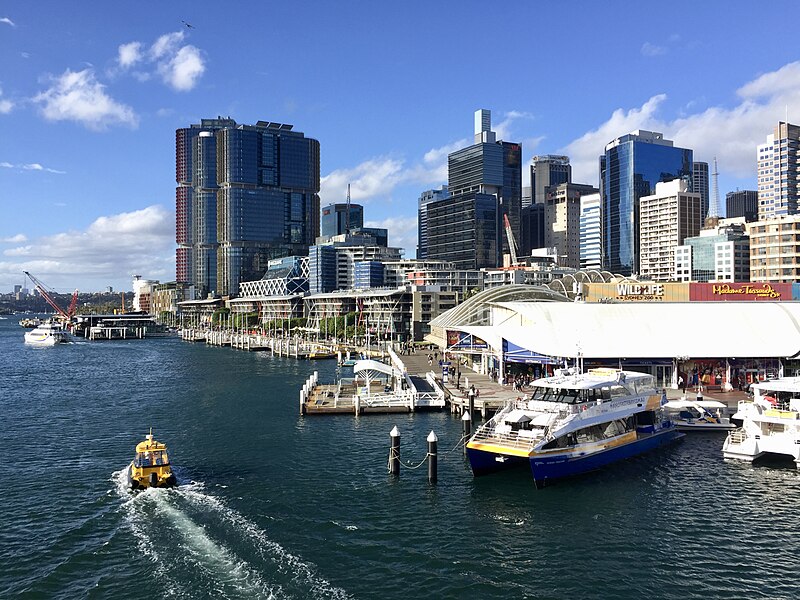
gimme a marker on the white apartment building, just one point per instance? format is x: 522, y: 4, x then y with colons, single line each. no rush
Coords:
x: 591, y: 235
x: 775, y: 250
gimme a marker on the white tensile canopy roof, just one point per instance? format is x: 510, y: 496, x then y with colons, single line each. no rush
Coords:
x: 646, y: 330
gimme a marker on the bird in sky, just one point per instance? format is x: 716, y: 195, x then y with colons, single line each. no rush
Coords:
x: 189, y: 25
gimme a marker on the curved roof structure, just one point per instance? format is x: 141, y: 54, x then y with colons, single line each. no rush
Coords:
x: 645, y: 330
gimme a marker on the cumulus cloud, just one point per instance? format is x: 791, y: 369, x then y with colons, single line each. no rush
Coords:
x: 8, y: 21
x: 79, y: 97
x: 179, y: 65
x: 503, y: 129
x: 731, y: 133
x: 108, y: 251
x: 15, y: 239
x: 30, y: 167
x: 129, y: 54
x: 649, y: 49
x: 402, y: 231
x: 5, y: 105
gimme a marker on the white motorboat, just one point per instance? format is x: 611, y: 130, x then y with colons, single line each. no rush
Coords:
x: 770, y: 422
x: 574, y: 423
x: 46, y: 334
x: 699, y: 415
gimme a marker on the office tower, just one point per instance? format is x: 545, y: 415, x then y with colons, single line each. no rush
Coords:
x: 547, y: 170
x: 667, y: 218
x: 562, y: 221
x: 719, y: 253
x: 630, y: 168
x: 334, y: 219
x: 485, y: 183
x: 778, y: 172
x: 426, y: 198
x: 700, y: 186
x: 591, y: 249
x: 253, y: 191
x: 742, y: 203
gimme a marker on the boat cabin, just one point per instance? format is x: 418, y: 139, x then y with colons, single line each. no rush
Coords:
x: 151, y: 458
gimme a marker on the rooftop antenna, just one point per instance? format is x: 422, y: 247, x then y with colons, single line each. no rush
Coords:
x: 347, y: 214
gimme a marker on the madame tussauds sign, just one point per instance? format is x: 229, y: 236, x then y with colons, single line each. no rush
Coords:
x: 754, y: 291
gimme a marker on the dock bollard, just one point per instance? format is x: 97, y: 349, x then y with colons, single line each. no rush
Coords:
x: 394, y: 452
x: 302, y: 402
x: 466, y: 422
x: 432, y: 457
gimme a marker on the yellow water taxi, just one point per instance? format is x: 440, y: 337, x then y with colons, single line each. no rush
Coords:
x: 150, y: 467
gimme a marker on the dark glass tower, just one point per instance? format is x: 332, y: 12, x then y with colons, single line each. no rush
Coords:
x: 742, y: 203
x: 253, y: 198
x: 630, y: 169
x: 334, y: 220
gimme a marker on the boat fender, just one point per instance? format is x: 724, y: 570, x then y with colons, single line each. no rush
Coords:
x: 153, y: 480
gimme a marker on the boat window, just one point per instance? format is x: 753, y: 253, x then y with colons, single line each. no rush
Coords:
x: 568, y: 396
x: 151, y: 459
x: 618, y: 391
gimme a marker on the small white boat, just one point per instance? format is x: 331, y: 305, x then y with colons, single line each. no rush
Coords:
x: 46, y: 334
x: 699, y: 415
x: 770, y: 422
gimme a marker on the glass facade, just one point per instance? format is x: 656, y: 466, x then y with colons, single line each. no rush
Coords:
x: 630, y: 169
x: 322, y: 269
x: 333, y: 219
x: 463, y: 230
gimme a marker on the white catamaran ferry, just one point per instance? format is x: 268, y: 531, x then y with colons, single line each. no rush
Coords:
x: 770, y: 422
x: 574, y: 423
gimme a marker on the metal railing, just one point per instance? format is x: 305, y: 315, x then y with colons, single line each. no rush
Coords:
x: 737, y: 436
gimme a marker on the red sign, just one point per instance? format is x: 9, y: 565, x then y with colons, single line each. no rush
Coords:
x: 740, y: 292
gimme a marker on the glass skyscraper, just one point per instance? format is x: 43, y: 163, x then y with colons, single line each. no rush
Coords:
x: 629, y: 169
x: 334, y: 219
x: 253, y: 198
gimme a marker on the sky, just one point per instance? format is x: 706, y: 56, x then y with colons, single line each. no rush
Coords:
x: 91, y: 94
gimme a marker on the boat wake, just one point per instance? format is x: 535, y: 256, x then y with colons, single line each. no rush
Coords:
x: 191, y: 540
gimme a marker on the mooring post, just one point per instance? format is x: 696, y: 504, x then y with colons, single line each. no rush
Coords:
x: 432, y: 457
x: 394, y: 452
x: 303, y: 401
x: 466, y: 422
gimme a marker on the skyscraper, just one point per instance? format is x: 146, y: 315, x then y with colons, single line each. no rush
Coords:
x: 334, y: 219
x: 591, y: 250
x: 629, y: 169
x: 426, y: 198
x: 742, y: 203
x: 253, y: 198
x: 700, y: 186
x: 485, y: 183
x: 778, y: 172
x: 562, y: 221
x: 547, y: 170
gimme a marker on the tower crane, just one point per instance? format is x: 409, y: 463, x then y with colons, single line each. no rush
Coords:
x: 46, y: 294
x: 512, y: 244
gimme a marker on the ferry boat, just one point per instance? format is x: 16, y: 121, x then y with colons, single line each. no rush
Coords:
x: 46, y: 334
x: 699, y: 415
x: 574, y: 423
x: 770, y: 422
x: 150, y: 467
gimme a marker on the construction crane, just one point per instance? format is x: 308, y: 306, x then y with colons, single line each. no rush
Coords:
x: 512, y: 245
x: 66, y: 315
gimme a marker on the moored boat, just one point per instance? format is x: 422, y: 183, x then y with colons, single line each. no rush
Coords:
x: 770, y: 422
x: 573, y: 423
x: 150, y: 467
x: 699, y: 415
x: 46, y: 334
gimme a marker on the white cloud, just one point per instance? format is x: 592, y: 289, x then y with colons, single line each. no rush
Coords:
x: 7, y: 21
x: 78, y: 96
x: 166, y: 45
x: 373, y: 177
x: 109, y: 250
x: 15, y: 239
x: 129, y: 54
x: 503, y: 129
x: 183, y: 70
x: 5, y: 105
x: 649, y: 49
x: 30, y: 167
x: 402, y: 231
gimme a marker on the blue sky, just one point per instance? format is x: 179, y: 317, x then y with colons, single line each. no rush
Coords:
x: 91, y: 94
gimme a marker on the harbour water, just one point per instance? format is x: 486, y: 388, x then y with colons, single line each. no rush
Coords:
x: 274, y: 505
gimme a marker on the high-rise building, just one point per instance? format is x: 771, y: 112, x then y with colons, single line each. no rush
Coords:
x: 426, y: 198
x: 719, y: 253
x: 774, y: 254
x: 630, y: 168
x: 562, y: 221
x: 533, y: 221
x: 700, y: 186
x: 742, y: 203
x: 334, y: 219
x: 251, y: 197
x: 548, y: 170
x: 666, y: 218
x: 485, y: 183
x: 591, y: 248
x: 778, y: 172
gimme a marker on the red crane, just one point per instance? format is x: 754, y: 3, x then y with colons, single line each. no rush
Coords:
x: 66, y: 315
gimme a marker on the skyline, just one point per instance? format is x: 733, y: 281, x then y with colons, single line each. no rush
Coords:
x: 89, y: 105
